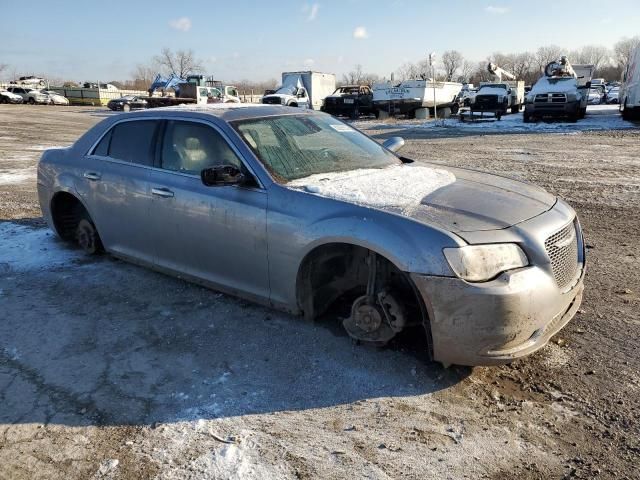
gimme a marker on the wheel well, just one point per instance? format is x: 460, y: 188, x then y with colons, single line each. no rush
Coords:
x: 293, y: 104
x: 332, y: 270
x: 66, y: 212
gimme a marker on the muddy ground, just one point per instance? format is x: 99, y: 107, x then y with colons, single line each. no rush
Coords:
x: 108, y: 370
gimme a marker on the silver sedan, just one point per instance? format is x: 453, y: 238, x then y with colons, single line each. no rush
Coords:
x: 302, y: 212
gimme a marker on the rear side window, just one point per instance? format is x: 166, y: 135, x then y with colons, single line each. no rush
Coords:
x: 102, y: 149
x: 132, y: 142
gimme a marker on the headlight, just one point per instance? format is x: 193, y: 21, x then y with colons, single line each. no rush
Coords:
x: 478, y: 263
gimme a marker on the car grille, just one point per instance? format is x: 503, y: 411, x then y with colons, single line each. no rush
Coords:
x: 562, y: 248
x: 551, y: 98
x: 489, y: 101
x: 272, y: 101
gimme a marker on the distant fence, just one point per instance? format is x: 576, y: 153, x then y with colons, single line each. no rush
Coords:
x: 93, y: 96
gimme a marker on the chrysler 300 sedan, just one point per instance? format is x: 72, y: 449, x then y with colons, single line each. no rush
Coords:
x: 301, y: 211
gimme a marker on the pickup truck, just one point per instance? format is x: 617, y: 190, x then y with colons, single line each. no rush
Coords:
x: 496, y: 99
x: 562, y: 92
x: 190, y: 93
x: 350, y: 100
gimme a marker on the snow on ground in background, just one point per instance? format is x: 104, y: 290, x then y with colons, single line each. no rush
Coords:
x: 17, y: 175
x: 42, y: 148
x: 599, y: 117
x: 24, y: 248
x: 400, y: 186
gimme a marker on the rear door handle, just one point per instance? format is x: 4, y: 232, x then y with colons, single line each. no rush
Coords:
x: 93, y: 176
x: 162, y: 192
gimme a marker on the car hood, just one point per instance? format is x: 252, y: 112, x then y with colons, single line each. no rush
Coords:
x: 455, y: 199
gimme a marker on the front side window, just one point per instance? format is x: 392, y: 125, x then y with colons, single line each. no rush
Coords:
x: 190, y: 147
x: 297, y: 146
x: 130, y: 141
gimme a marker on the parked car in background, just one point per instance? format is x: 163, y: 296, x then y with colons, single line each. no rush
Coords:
x: 30, y: 95
x: 613, y: 95
x: 296, y: 209
x: 30, y: 80
x: 9, y: 97
x: 127, y: 103
x: 55, y: 98
x: 349, y: 100
x: 595, y: 96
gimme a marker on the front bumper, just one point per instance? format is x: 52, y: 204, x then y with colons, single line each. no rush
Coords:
x: 550, y: 109
x: 500, y: 320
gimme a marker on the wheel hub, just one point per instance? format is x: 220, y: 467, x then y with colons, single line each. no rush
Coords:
x: 374, y: 323
x: 367, y: 317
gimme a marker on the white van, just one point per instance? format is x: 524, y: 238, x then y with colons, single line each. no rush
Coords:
x: 629, y: 96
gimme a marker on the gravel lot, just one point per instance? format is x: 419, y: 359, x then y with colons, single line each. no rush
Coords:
x: 108, y: 370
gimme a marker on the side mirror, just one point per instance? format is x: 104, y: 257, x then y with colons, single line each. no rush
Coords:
x: 394, y: 143
x: 221, y: 175
x: 588, y: 85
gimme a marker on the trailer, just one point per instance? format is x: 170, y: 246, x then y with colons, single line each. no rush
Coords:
x: 416, y: 98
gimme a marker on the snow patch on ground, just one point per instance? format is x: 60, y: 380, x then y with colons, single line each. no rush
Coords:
x: 24, y: 248
x: 599, y: 117
x: 42, y: 148
x: 402, y: 186
x: 17, y: 175
x: 233, y: 458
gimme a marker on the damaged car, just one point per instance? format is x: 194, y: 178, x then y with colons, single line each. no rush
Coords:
x: 299, y: 211
x: 350, y: 100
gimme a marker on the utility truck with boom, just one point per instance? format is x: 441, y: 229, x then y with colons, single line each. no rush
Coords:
x: 563, y: 91
x: 495, y: 99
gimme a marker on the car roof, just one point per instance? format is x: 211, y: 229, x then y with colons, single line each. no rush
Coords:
x: 228, y: 112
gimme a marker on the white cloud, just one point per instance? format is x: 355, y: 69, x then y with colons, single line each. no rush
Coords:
x: 309, y: 62
x: 313, y: 12
x: 496, y: 10
x: 360, y: 33
x: 183, y: 24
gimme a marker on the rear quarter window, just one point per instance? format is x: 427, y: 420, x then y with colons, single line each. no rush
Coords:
x: 131, y: 141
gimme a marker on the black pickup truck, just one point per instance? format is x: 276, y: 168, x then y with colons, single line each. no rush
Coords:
x: 350, y: 100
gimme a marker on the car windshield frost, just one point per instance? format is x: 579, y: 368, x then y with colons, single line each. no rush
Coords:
x: 297, y: 146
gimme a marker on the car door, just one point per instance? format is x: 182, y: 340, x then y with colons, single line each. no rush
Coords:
x: 114, y: 184
x: 217, y: 234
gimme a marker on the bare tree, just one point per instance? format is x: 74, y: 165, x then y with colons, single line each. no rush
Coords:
x: 180, y: 63
x: 145, y: 73
x: 358, y: 76
x: 595, y: 55
x: 547, y: 54
x: 623, y: 48
x: 452, y: 61
x: 466, y: 71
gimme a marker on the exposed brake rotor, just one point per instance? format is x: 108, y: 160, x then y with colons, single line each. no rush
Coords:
x: 374, y: 323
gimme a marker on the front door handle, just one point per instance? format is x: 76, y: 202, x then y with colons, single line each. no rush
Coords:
x: 93, y: 176
x: 162, y: 192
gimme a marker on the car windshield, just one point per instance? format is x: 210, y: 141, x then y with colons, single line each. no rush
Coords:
x: 493, y: 85
x: 297, y: 146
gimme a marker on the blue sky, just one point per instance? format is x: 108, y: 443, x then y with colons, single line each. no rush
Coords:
x: 258, y: 40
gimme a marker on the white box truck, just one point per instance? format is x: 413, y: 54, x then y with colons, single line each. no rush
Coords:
x: 302, y: 89
x: 629, y: 96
